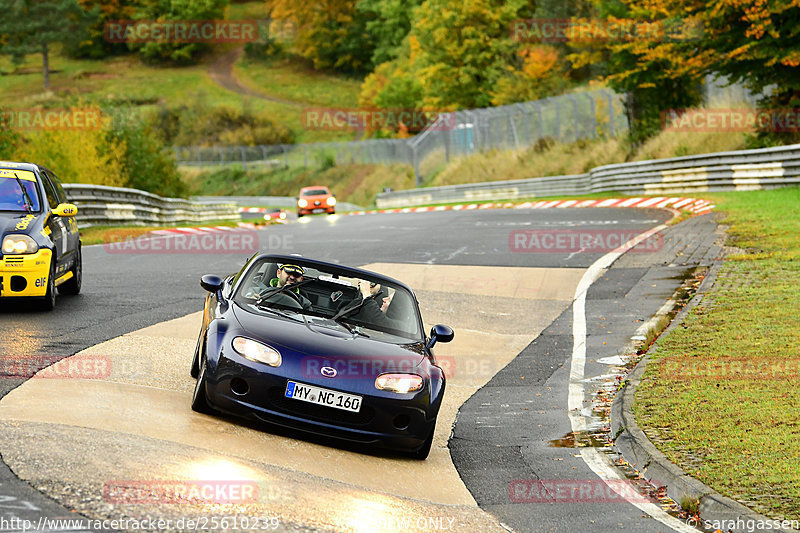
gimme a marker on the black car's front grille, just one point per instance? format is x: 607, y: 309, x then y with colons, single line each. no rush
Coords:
x: 318, y: 412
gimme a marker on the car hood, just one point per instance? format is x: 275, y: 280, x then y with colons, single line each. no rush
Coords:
x: 9, y: 222
x: 331, y: 345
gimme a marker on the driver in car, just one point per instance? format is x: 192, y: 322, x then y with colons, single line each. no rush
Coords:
x: 288, y: 275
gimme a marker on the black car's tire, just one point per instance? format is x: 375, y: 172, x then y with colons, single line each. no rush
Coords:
x: 423, y: 452
x: 199, y: 399
x: 48, y: 302
x: 72, y: 286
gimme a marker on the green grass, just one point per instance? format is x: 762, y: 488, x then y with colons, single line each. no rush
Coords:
x: 357, y: 184
x: 720, y: 395
x: 127, y: 83
x: 291, y: 79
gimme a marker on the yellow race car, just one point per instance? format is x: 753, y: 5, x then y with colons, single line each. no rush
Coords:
x: 41, y: 246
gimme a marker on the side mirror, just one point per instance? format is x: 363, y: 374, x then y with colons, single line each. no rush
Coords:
x: 211, y: 283
x: 65, y: 210
x: 440, y: 333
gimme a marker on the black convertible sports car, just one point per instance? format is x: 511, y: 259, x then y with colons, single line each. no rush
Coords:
x: 321, y: 348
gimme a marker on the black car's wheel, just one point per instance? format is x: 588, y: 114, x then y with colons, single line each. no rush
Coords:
x: 423, y: 452
x: 72, y: 286
x: 48, y: 302
x: 199, y: 399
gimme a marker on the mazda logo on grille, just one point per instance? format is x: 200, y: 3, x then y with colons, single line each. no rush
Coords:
x: 328, y: 372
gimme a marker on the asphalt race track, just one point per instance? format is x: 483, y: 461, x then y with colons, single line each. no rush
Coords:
x: 509, y: 380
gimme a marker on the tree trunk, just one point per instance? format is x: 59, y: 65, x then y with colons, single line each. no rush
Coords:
x: 45, y: 66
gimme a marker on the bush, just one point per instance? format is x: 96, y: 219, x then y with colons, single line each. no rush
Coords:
x: 147, y: 163
x: 197, y: 124
x: 169, y: 10
x: 77, y: 156
x: 9, y: 139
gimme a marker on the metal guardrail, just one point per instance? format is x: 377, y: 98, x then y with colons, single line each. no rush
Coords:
x: 566, y: 118
x: 100, y: 204
x: 762, y: 168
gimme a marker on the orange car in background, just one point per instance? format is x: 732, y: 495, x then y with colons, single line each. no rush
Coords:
x: 315, y: 199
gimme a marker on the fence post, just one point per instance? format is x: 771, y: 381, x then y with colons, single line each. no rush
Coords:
x: 574, y: 112
x: 610, y: 113
x: 417, y: 176
x: 594, y: 114
x: 558, y: 119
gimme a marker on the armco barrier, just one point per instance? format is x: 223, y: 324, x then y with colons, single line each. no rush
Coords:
x: 763, y: 168
x: 99, y: 204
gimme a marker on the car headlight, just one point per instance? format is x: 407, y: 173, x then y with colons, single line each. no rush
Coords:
x: 331, y: 201
x: 19, y: 244
x: 302, y: 203
x: 255, y: 351
x: 401, y: 383
x: 282, y: 216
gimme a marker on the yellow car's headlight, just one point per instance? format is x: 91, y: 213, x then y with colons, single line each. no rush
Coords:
x: 19, y: 244
x: 255, y: 351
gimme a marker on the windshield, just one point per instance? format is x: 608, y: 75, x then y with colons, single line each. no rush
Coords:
x: 316, y: 192
x: 11, y: 197
x: 358, y: 304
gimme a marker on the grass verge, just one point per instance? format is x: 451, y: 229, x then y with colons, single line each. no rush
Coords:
x: 720, y: 394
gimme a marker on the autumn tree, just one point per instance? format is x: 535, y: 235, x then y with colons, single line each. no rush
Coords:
x: 33, y: 26
x: 331, y: 33
x: 95, y: 45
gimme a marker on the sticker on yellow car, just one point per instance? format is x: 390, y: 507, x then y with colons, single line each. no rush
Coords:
x: 24, y: 223
x: 21, y: 174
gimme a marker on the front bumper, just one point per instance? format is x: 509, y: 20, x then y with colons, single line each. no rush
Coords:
x: 375, y: 424
x: 25, y: 275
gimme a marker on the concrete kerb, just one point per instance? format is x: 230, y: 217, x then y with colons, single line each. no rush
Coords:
x: 634, y: 446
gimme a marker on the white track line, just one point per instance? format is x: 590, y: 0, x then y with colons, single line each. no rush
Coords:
x: 598, y: 462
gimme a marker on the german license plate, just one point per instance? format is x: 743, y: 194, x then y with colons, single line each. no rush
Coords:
x: 320, y: 396
x: 318, y: 210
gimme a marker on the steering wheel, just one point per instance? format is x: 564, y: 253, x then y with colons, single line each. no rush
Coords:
x: 284, y: 298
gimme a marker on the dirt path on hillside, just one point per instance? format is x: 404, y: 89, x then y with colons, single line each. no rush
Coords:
x: 221, y: 72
